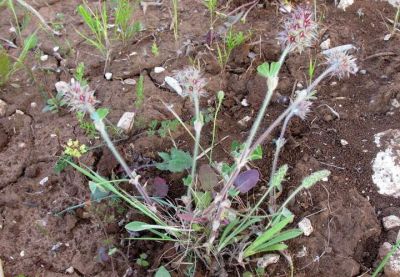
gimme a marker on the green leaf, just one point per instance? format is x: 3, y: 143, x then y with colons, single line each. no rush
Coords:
x: 202, y: 199
x: 257, y: 153
x: 97, y: 192
x: 315, y: 177
x: 137, y: 226
x: 102, y: 113
x: 279, y: 176
x: 281, y: 237
x: 177, y: 161
x: 162, y: 272
x: 263, y: 70
x: 5, y: 66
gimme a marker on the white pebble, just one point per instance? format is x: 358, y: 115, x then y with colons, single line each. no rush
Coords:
x: 344, y: 142
x: 56, y: 48
x: 390, y: 222
x: 108, y: 76
x: 22, y: 253
x: 70, y: 270
x: 244, y: 102
x: 126, y: 121
x: 33, y: 104
x: 131, y: 82
x: 43, y: 181
x: 174, y: 84
x: 159, y: 69
x: 326, y: 44
x: 44, y: 58
x: 305, y: 226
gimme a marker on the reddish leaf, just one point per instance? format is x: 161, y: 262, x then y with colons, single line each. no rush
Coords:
x: 160, y: 187
x: 247, y: 180
x: 207, y: 177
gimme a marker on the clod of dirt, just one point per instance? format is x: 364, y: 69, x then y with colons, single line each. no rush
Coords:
x: 386, y: 165
x: 390, y: 222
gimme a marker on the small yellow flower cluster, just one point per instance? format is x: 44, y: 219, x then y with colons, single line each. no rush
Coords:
x: 75, y: 149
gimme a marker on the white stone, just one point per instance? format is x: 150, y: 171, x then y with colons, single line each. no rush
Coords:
x: 344, y: 4
x: 244, y: 120
x: 344, y: 142
x: 395, y: 103
x: 305, y: 226
x: 44, y: 58
x: 390, y: 222
x: 326, y: 44
x: 387, y: 37
x: 268, y: 259
x: 56, y: 48
x: 3, y: 108
x: 70, y: 270
x: 126, y: 121
x: 131, y: 82
x: 21, y: 145
x: 363, y: 71
x: 174, y: 84
x: 44, y: 181
x: 33, y: 105
x: 158, y: 69
x: 244, y: 102
x: 19, y: 112
x: 386, y: 165
x: 22, y: 253
x: 108, y: 76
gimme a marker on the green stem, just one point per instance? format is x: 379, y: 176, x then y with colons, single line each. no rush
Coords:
x: 214, y: 128
x: 386, y: 259
x: 197, y: 128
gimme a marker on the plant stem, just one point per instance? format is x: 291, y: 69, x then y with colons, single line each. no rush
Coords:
x: 396, y: 20
x: 197, y: 128
x: 214, y: 128
x: 102, y: 130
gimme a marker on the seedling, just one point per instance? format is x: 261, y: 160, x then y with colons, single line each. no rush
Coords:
x: 139, y: 93
x: 124, y: 27
x: 211, y: 6
x: 55, y: 103
x: 232, y: 40
x: 142, y: 260
x: 175, y: 18
x: 154, y: 49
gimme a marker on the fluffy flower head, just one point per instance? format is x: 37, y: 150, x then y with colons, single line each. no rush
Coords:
x: 299, y: 30
x: 342, y: 63
x: 192, y: 82
x: 304, y: 104
x: 78, y: 97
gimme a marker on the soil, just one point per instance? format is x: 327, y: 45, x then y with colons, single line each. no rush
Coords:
x: 346, y: 211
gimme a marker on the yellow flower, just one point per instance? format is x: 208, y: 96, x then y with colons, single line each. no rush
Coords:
x: 75, y: 149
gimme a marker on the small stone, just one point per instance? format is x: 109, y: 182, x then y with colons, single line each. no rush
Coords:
x: 19, y: 112
x: 268, y: 259
x: 43, y: 181
x: 56, y: 48
x: 395, y: 103
x: 326, y: 44
x: 33, y: 105
x: 70, y: 270
x: 56, y: 246
x: 22, y: 253
x: 3, y: 108
x: 384, y: 249
x: 158, y: 69
x: 334, y: 83
x: 174, y: 84
x: 305, y: 226
x: 344, y: 142
x: 244, y: 102
x: 387, y: 37
x: 244, y: 120
x: 108, y: 76
x: 21, y: 145
x: 126, y: 121
x: 390, y: 222
x: 131, y: 82
x: 363, y: 71
x: 44, y: 58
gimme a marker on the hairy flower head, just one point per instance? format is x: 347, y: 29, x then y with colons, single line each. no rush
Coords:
x: 299, y: 30
x: 78, y: 97
x: 342, y: 63
x: 192, y: 82
x: 304, y: 104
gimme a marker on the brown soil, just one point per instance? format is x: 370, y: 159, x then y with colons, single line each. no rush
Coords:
x: 345, y: 211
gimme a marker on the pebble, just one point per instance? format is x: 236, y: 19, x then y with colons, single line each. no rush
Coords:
x: 305, y: 226
x: 3, y: 108
x: 390, y: 222
x: 363, y: 71
x: 244, y: 102
x: 22, y: 253
x: 70, y: 270
x: 44, y: 181
x: 344, y: 142
x: 33, y: 105
x: 56, y: 48
x: 131, y: 82
x: 266, y: 260
x: 244, y: 120
x: 158, y: 69
x: 326, y: 44
x: 174, y: 84
x: 126, y: 121
x: 108, y: 76
x: 44, y: 58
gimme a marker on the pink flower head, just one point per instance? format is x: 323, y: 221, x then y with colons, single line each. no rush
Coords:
x: 191, y: 81
x: 78, y: 97
x: 342, y: 63
x: 299, y: 30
